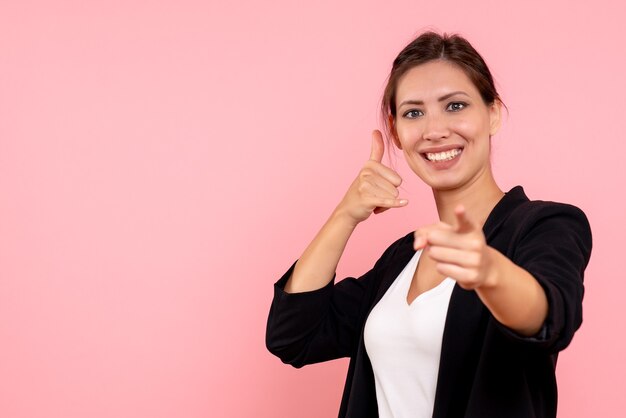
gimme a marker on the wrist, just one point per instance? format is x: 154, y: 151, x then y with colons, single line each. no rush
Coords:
x: 494, y: 269
x: 342, y: 217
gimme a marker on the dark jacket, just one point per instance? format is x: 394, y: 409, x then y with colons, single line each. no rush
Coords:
x: 486, y: 370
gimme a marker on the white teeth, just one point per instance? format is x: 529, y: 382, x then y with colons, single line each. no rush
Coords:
x: 443, y: 156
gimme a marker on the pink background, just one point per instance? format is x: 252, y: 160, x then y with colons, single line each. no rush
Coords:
x: 163, y: 162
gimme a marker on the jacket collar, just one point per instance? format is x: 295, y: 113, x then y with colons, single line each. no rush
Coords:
x: 500, y: 213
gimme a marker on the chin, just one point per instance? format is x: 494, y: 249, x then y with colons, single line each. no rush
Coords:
x: 443, y: 187
x: 439, y: 183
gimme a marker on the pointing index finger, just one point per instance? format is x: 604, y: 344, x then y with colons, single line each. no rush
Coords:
x: 463, y: 223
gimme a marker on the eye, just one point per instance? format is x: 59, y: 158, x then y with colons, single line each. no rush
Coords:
x: 456, y: 106
x: 412, y: 114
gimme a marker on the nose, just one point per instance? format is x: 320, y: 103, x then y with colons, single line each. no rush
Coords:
x: 436, y: 127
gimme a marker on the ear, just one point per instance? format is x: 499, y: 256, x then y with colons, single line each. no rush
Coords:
x: 495, y: 117
x: 394, y: 133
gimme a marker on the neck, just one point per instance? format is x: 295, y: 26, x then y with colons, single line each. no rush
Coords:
x: 478, y: 198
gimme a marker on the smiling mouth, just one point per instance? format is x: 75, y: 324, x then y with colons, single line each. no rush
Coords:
x: 442, y: 156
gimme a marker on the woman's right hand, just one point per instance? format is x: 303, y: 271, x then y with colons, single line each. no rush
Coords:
x: 375, y: 189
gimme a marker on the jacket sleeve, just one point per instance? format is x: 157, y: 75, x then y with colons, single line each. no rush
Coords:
x: 554, y: 246
x: 320, y: 325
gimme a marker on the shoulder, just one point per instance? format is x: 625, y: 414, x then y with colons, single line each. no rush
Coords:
x: 515, y: 208
x: 541, y: 222
x: 548, y: 215
x: 539, y: 211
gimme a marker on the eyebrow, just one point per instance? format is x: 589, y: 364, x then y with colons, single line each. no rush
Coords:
x: 441, y: 99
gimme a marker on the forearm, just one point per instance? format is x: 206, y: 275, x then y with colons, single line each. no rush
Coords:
x: 317, y: 265
x: 373, y: 191
x: 514, y: 296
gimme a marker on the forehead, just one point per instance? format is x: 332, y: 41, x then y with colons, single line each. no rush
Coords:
x: 432, y: 80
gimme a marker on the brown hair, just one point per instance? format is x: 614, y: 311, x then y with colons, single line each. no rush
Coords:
x: 430, y: 46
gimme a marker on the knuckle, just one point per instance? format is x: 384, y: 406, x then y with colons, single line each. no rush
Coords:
x: 365, y: 192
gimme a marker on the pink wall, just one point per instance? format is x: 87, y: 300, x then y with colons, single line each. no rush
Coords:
x: 162, y: 162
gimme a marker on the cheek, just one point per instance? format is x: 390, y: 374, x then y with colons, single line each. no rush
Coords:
x: 471, y: 129
x: 408, y: 137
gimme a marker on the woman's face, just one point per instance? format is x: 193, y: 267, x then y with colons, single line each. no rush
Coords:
x: 443, y: 126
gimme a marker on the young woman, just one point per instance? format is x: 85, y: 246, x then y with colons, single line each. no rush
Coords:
x: 463, y: 318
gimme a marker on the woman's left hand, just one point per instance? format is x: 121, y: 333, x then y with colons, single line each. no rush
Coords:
x: 460, y: 251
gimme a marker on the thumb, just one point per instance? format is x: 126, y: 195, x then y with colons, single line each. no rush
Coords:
x: 378, y: 146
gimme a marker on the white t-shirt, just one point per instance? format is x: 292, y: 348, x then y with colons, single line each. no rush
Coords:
x: 403, y: 343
